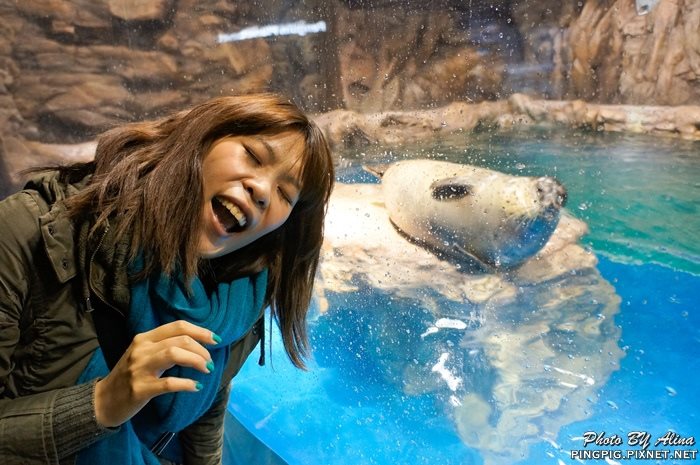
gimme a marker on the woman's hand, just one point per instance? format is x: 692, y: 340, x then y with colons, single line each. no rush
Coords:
x: 136, y: 378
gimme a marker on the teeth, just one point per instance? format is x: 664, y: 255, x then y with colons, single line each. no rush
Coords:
x: 235, y: 211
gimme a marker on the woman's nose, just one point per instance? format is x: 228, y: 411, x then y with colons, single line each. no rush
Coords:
x: 259, y: 190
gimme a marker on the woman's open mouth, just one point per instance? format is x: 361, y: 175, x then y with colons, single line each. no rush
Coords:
x: 229, y: 215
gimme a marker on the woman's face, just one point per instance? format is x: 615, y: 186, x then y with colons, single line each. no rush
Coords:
x: 251, y: 184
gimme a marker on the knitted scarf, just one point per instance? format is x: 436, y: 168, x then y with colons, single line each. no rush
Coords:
x: 230, y: 311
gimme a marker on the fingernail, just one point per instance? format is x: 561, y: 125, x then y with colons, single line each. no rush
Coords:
x: 216, y: 338
x: 210, y: 366
x: 198, y: 386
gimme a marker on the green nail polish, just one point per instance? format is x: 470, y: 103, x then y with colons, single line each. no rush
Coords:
x: 216, y: 338
x: 210, y: 366
x: 198, y: 386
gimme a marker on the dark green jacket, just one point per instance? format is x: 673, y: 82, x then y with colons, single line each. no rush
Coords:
x: 47, y: 337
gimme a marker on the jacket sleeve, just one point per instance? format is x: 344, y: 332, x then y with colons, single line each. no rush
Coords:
x: 203, y: 441
x: 46, y: 427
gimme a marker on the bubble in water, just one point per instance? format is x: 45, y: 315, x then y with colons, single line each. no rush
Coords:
x: 671, y: 392
x: 583, y: 206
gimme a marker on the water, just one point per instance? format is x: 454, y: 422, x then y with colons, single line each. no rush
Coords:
x: 638, y: 194
x: 363, y: 403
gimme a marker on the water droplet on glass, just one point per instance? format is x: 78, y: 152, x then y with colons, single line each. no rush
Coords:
x: 612, y: 405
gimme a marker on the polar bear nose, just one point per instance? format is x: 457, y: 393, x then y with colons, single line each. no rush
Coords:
x: 551, y: 192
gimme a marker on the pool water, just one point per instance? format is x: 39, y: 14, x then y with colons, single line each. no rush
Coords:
x: 639, y: 197
x: 638, y: 194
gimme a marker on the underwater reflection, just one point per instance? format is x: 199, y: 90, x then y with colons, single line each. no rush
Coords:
x: 511, y: 378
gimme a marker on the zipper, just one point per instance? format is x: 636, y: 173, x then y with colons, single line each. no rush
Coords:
x: 88, y: 283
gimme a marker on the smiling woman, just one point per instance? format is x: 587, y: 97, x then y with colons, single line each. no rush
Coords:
x: 251, y: 184
x: 149, y: 269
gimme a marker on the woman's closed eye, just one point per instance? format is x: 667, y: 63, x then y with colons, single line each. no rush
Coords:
x: 285, y: 196
x: 252, y: 155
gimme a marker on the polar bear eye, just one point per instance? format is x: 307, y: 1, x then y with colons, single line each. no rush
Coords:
x: 449, y: 189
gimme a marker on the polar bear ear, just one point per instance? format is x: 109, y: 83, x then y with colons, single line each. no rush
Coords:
x: 451, y: 189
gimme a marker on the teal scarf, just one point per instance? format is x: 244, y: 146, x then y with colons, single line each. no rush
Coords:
x: 230, y: 311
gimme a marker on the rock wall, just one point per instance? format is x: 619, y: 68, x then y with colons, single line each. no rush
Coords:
x: 413, y: 59
x: 74, y: 67
x: 71, y: 68
x: 604, y: 51
x: 350, y: 129
x: 617, y: 55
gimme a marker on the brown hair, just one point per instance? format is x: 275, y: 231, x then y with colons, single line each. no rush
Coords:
x: 147, y: 178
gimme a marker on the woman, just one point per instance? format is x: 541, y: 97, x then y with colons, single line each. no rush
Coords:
x: 132, y: 287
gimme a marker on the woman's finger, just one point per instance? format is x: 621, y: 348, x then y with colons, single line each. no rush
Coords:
x: 167, y: 357
x: 184, y: 342
x: 170, y: 384
x: 179, y: 328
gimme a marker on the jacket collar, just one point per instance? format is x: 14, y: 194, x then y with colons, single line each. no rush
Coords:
x: 58, y: 235
x: 56, y: 228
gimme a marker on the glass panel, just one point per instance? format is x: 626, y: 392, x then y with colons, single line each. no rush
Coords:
x: 510, y: 308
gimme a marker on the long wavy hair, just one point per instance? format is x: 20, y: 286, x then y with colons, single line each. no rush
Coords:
x: 146, y: 185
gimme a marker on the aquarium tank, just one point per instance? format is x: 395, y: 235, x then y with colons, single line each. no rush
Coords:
x: 578, y: 121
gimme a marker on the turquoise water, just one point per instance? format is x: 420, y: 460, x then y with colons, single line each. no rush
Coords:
x: 638, y: 194
x: 639, y: 197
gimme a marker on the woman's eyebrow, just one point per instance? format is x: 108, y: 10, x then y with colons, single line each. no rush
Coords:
x: 273, y: 156
x: 270, y: 152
